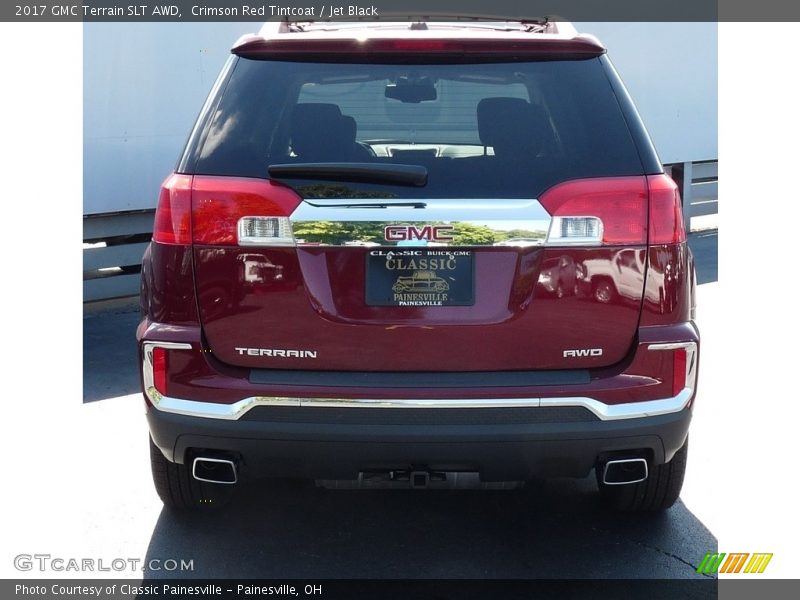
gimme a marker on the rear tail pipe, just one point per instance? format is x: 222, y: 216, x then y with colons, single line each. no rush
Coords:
x: 624, y: 471
x: 215, y: 470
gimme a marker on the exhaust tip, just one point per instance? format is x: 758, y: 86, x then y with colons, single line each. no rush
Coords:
x: 625, y: 471
x: 214, y: 470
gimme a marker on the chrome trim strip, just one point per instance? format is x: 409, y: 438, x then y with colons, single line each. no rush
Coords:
x: 605, y: 412
x: 232, y: 412
x: 629, y: 410
x: 671, y: 346
x: 420, y: 209
x: 365, y: 220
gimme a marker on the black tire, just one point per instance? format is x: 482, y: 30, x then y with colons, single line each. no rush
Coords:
x: 179, y: 490
x: 604, y: 291
x: 658, y: 492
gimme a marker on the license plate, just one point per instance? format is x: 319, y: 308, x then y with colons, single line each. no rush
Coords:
x: 420, y: 277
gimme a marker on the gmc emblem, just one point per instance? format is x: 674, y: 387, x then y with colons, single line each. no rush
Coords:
x: 431, y: 233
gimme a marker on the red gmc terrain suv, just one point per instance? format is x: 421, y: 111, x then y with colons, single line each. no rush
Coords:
x: 418, y: 254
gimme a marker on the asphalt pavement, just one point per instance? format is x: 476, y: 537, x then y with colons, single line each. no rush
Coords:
x: 704, y: 249
x: 285, y: 529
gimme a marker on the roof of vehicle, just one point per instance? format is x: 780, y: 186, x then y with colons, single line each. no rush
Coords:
x: 548, y: 34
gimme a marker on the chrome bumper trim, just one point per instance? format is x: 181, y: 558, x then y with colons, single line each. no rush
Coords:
x: 605, y: 412
x: 232, y: 412
x: 629, y: 410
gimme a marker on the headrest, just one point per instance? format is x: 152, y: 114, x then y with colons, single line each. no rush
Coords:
x: 321, y: 133
x: 349, y: 123
x: 512, y: 126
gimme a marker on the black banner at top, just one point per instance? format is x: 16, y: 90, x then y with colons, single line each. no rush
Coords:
x: 233, y: 10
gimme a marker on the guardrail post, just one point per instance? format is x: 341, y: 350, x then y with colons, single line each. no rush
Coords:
x: 686, y: 196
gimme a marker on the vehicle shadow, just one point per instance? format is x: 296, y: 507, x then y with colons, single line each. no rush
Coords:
x: 553, y: 530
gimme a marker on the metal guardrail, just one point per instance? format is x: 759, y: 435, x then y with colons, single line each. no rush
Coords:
x: 697, y: 182
x: 114, y: 242
x: 113, y: 245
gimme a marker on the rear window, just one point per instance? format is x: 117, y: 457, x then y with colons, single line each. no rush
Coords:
x: 481, y: 130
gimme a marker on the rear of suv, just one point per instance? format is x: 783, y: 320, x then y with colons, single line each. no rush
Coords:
x: 406, y: 252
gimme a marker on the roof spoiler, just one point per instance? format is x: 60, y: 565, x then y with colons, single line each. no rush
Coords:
x: 553, y: 24
x: 402, y: 50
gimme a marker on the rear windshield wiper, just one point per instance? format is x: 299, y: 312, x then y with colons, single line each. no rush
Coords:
x: 414, y: 175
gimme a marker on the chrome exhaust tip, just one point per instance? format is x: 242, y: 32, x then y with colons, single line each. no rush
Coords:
x: 214, y: 470
x: 625, y: 471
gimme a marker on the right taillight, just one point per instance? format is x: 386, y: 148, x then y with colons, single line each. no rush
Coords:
x: 666, y: 215
x: 614, y: 211
x: 603, y: 211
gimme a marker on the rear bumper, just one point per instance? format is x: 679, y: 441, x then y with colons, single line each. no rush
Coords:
x: 499, y: 452
x: 502, y: 430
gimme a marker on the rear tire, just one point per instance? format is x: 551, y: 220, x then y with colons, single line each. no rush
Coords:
x: 179, y: 490
x: 604, y: 291
x: 656, y: 493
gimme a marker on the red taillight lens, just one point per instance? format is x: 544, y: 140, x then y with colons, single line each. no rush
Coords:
x: 620, y: 203
x: 218, y: 203
x: 679, y: 359
x: 173, y: 224
x: 160, y: 370
x: 666, y: 215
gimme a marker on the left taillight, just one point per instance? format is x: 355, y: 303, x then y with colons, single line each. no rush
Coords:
x: 173, y: 224
x: 231, y: 211
x: 224, y: 211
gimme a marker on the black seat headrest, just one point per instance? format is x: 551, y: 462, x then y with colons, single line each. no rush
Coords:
x: 514, y: 127
x: 321, y: 133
